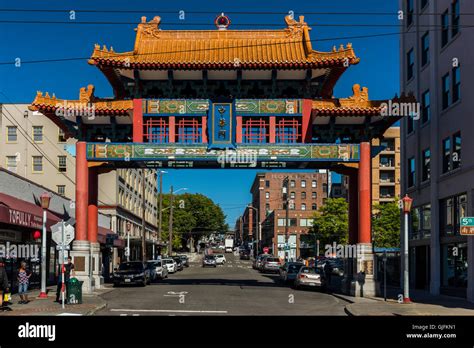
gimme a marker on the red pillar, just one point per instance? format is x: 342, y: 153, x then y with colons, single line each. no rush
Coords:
x: 82, y: 176
x: 137, y: 121
x: 204, y: 129
x: 353, y: 207
x: 364, y: 194
x: 307, y: 121
x: 92, y: 209
x: 238, y: 130
x: 272, y: 129
x: 171, y: 127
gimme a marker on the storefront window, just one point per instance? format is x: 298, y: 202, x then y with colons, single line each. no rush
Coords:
x: 451, y: 210
x: 454, y: 265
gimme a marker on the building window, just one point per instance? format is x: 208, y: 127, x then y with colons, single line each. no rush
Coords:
x: 189, y: 130
x: 426, y: 169
x: 454, y: 265
x: 410, y: 11
x: 255, y: 130
x: 12, y: 163
x: 303, y: 183
x: 425, y: 107
x: 446, y: 93
x: 303, y: 206
x: 314, y: 195
x: 314, y: 206
x: 292, y: 195
x: 411, y: 172
x: 62, y: 164
x: 456, y: 150
x: 452, y: 209
x: 61, y: 189
x: 387, y: 161
x: 37, y: 164
x: 267, y: 207
x: 282, y: 222
x: 444, y: 28
x: 267, y: 183
x: 325, y: 189
x: 410, y: 124
x: 287, y: 130
x: 292, y: 183
x: 446, y: 155
x: 456, y: 84
x: 410, y: 64
x: 303, y: 195
x: 156, y: 130
x: 306, y: 222
x: 267, y: 195
x: 425, y: 49
x: 455, y: 16
x: 12, y: 134
x: 61, y: 136
x: 314, y: 183
x: 38, y: 134
x: 423, y: 4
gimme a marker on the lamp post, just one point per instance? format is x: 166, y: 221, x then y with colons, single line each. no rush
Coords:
x: 257, y: 229
x: 129, y: 225
x: 45, y: 200
x: 407, y: 202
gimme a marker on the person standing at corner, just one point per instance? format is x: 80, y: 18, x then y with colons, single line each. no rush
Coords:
x: 68, y: 271
x: 23, y: 281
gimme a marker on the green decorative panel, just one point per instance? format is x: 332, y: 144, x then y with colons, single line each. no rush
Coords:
x: 268, y: 106
x: 176, y: 106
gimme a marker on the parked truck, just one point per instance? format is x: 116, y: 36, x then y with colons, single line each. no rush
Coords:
x: 229, y: 245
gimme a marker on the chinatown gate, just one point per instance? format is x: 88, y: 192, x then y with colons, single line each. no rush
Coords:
x: 215, y: 99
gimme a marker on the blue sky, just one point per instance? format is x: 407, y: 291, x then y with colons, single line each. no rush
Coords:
x: 378, y: 69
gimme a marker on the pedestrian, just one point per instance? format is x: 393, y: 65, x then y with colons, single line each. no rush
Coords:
x: 23, y: 281
x: 68, y: 271
x: 4, y: 289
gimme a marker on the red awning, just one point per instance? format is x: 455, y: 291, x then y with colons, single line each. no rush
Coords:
x: 15, y: 211
x: 102, y: 233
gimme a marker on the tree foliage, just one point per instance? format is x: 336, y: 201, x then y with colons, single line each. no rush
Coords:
x: 331, y: 222
x: 386, y: 225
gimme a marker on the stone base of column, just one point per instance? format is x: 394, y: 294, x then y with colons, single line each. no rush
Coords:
x: 347, y: 280
x: 80, y: 254
x: 97, y: 277
x: 363, y: 283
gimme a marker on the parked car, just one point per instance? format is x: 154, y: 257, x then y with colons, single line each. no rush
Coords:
x: 179, y: 263
x: 270, y: 264
x: 185, y: 260
x: 220, y: 259
x: 334, y: 267
x: 310, y: 277
x: 171, y: 265
x: 258, y: 260
x: 289, y: 271
x: 134, y: 272
x: 209, y: 260
x: 161, y: 271
x: 245, y: 254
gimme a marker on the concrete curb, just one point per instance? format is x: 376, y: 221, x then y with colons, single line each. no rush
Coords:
x: 96, y: 309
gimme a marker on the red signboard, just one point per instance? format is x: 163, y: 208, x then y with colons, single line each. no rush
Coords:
x: 266, y: 250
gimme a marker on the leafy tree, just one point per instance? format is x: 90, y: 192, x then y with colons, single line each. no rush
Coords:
x: 331, y: 222
x: 386, y: 225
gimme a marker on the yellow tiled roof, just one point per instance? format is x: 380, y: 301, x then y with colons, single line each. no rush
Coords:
x: 198, y: 49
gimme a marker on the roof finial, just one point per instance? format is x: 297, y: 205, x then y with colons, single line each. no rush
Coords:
x: 222, y: 21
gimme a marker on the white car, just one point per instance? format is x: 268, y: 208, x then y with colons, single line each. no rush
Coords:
x: 220, y: 259
x: 161, y: 271
x: 171, y: 265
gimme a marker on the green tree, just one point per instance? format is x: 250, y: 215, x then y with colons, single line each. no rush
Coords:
x: 386, y: 225
x: 331, y: 222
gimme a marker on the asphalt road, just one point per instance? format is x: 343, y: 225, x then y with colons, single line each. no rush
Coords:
x: 231, y: 289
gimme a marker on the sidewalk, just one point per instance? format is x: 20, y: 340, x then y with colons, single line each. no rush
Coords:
x: 423, y: 303
x: 37, y: 307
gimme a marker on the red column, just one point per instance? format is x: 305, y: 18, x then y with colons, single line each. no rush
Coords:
x: 364, y: 194
x: 92, y: 209
x: 307, y: 121
x: 204, y: 129
x: 238, y: 130
x: 272, y: 129
x: 171, y: 135
x: 137, y: 121
x: 82, y: 177
x: 353, y: 207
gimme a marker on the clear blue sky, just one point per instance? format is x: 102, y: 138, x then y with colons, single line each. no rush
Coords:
x: 378, y: 69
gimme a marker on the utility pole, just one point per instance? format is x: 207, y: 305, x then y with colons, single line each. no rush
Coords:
x: 160, y: 206
x: 170, y: 246
x: 143, y: 217
x: 287, y: 201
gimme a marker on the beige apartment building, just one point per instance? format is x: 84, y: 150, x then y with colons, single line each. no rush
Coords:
x: 32, y: 146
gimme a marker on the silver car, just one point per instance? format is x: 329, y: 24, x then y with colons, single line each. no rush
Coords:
x: 161, y: 271
x: 170, y: 264
x: 310, y: 277
x: 270, y: 264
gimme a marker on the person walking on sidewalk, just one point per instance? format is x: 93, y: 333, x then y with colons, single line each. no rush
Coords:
x: 68, y: 270
x: 23, y: 281
x: 3, y: 285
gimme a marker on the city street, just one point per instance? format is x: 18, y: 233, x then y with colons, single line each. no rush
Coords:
x: 231, y: 289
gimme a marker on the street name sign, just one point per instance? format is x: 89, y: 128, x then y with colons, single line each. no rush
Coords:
x: 467, y: 226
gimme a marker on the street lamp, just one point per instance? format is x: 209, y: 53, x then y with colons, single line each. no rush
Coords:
x: 45, y: 200
x: 129, y: 226
x: 257, y: 234
x: 407, y: 202
x: 170, y: 231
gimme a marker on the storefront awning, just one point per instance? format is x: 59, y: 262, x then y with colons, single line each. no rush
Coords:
x: 15, y: 211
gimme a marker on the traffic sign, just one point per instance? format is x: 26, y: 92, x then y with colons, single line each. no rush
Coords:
x: 467, y: 230
x: 467, y: 221
x: 57, y: 233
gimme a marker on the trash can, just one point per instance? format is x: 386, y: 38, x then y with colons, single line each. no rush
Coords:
x: 74, y: 291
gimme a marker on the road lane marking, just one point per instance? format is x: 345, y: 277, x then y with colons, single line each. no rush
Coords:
x: 164, y: 311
